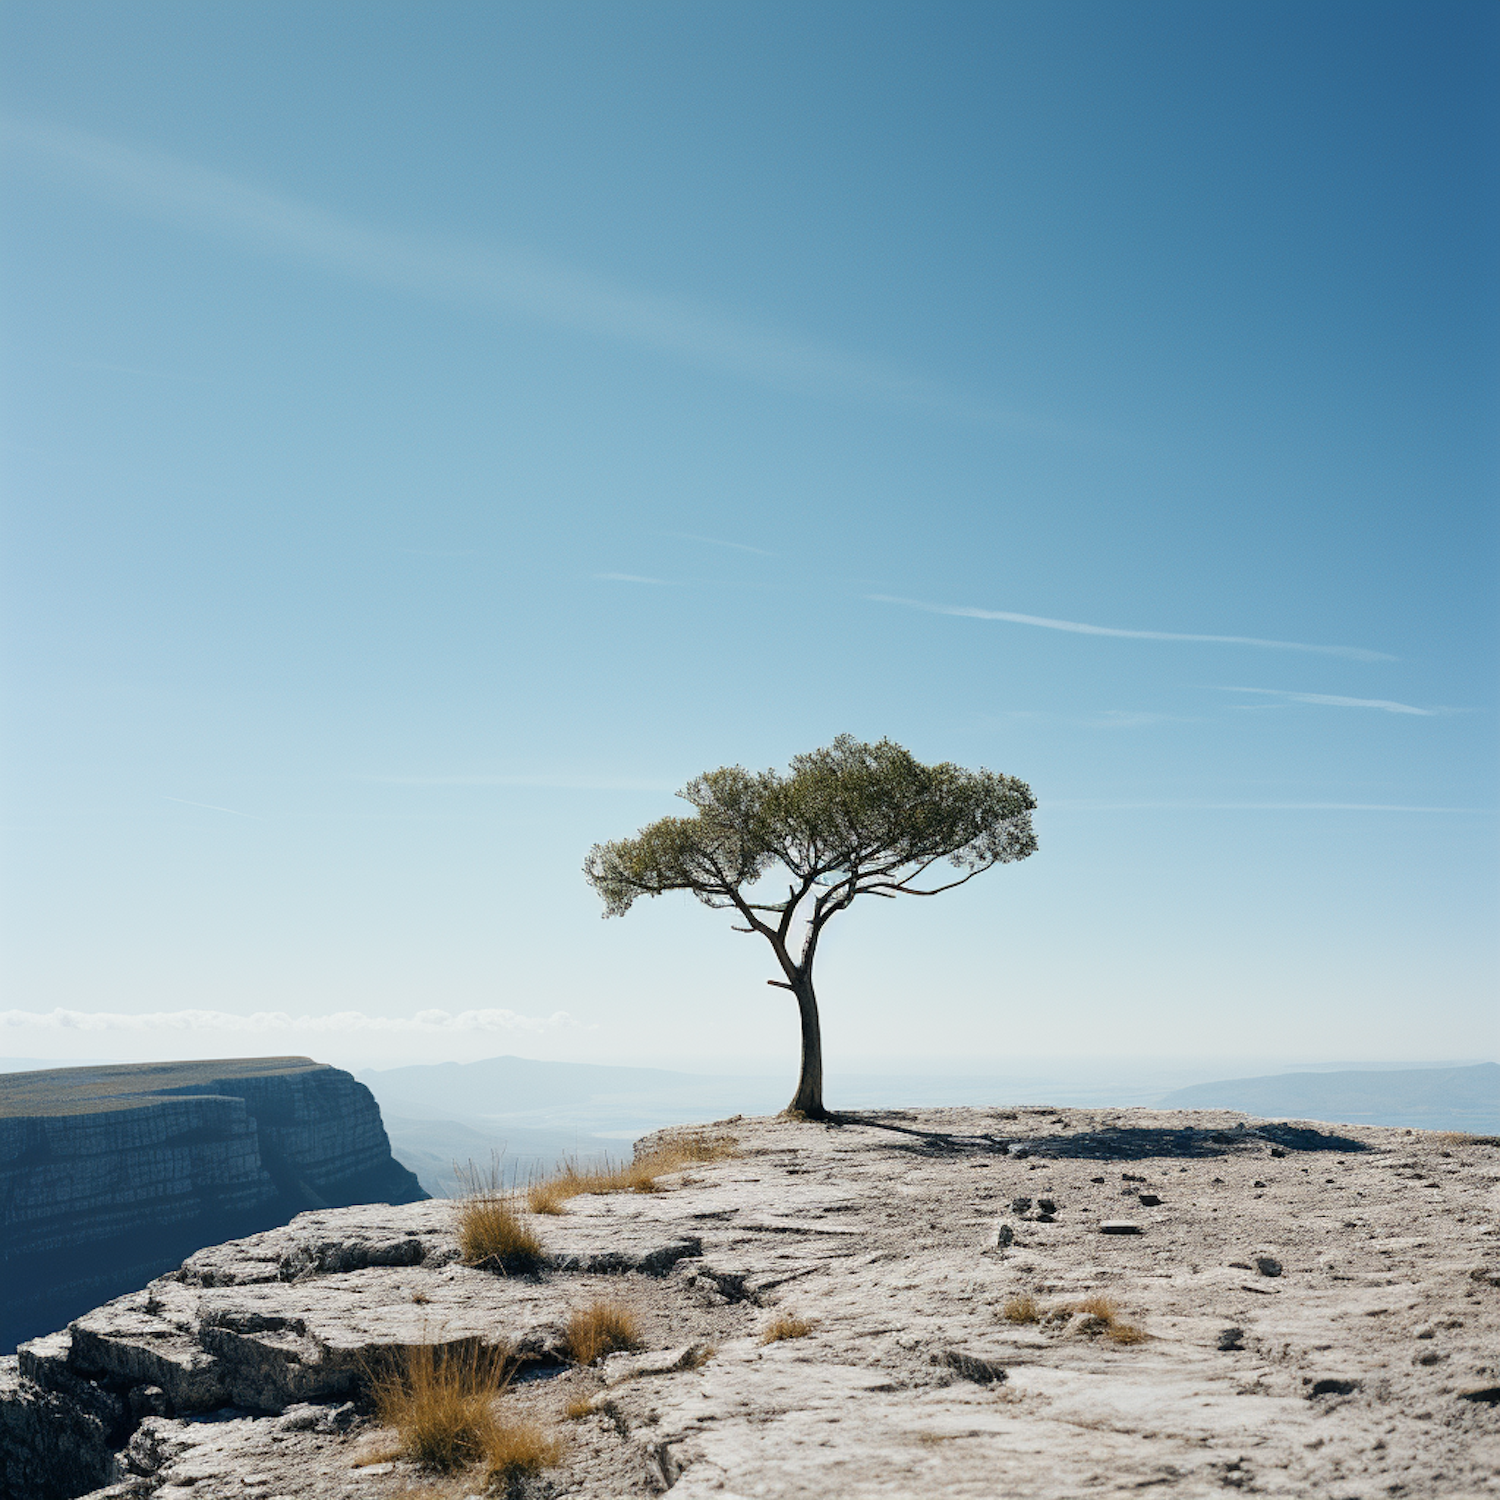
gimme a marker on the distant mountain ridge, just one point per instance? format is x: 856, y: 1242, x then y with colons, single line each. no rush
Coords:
x: 1465, y: 1098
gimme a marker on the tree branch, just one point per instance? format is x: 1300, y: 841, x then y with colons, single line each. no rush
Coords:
x: 937, y: 890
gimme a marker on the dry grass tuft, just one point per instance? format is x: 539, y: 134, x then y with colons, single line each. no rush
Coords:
x: 579, y: 1407
x: 490, y: 1229
x: 1096, y: 1307
x: 515, y: 1448
x: 1103, y: 1316
x: 701, y: 1145
x: 1022, y: 1309
x: 549, y: 1195
x: 380, y: 1453
x: 441, y: 1404
x: 785, y: 1326
x: 601, y: 1328
x: 490, y: 1232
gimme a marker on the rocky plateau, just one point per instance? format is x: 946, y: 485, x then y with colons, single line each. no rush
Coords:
x: 1295, y: 1311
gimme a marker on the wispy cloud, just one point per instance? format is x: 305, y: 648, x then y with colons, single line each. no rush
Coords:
x: 1357, y: 653
x: 213, y: 807
x: 628, y: 578
x: 511, y: 283
x: 340, y: 1023
x: 1332, y: 700
x: 713, y: 541
x: 545, y: 780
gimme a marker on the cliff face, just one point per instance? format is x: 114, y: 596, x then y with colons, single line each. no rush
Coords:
x: 1040, y: 1304
x: 109, y: 1176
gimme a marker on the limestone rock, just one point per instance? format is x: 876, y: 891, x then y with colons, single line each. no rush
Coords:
x: 245, y: 1372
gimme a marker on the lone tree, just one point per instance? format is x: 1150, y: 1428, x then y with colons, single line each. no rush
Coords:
x: 849, y: 820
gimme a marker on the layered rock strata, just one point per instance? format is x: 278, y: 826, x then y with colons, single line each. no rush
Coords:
x: 1298, y: 1313
x: 109, y: 1176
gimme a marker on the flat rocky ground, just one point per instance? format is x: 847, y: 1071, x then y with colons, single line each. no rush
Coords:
x: 1321, y: 1311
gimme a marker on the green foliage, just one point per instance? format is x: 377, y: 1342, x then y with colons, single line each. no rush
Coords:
x: 852, y: 819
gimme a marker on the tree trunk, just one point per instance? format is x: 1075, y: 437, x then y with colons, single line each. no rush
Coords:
x: 808, y: 1100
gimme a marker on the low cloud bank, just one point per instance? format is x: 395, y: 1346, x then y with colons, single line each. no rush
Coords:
x: 341, y: 1023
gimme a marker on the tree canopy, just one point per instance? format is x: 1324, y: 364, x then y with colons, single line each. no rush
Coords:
x: 852, y: 819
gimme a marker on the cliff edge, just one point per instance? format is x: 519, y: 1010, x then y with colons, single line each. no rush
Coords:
x: 112, y: 1175
x: 968, y: 1302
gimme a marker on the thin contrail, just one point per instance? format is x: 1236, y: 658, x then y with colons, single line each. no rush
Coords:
x: 512, y: 283
x: 713, y: 541
x: 1357, y: 653
x: 213, y: 807
x: 1333, y: 700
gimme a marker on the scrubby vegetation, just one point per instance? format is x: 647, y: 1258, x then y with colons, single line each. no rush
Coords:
x: 444, y: 1404
x: 786, y: 1326
x: 1022, y: 1309
x: 601, y: 1328
x: 1095, y: 1315
x: 549, y: 1195
x: 490, y: 1229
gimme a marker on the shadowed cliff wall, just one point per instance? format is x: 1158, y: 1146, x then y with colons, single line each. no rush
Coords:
x: 110, y: 1176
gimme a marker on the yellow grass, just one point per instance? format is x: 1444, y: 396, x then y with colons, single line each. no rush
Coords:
x: 512, y: 1448
x: 443, y: 1407
x: 578, y: 1408
x: 1108, y: 1321
x: 441, y: 1403
x: 1096, y: 1307
x: 785, y: 1326
x: 381, y: 1453
x: 601, y: 1328
x: 490, y: 1231
x: 549, y: 1195
x: 1022, y: 1309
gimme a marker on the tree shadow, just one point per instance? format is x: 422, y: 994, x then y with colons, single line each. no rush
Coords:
x: 1112, y: 1143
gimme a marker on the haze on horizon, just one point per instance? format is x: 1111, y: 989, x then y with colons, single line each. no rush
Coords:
x: 433, y: 434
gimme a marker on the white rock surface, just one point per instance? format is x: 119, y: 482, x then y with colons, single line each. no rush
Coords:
x: 1369, y: 1367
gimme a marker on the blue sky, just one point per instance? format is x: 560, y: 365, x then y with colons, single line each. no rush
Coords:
x: 433, y: 433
